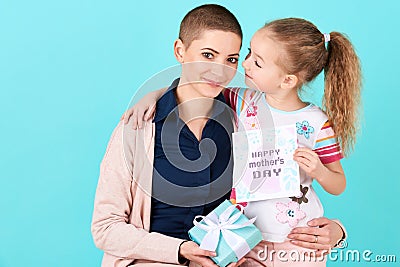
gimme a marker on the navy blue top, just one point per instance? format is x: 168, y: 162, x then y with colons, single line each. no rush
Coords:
x: 195, y: 178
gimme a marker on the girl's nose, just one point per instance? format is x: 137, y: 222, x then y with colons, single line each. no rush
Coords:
x: 245, y: 64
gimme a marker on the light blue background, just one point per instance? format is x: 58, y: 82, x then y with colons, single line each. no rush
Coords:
x: 69, y: 68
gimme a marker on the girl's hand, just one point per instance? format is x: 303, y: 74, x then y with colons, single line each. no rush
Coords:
x: 309, y: 162
x: 321, y: 235
x: 142, y: 110
x: 330, y: 176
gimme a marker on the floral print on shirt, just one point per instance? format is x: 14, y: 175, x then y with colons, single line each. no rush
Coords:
x: 289, y: 213
x: 304, y: 128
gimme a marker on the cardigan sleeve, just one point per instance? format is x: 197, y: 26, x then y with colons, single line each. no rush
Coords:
x: 113, y: 204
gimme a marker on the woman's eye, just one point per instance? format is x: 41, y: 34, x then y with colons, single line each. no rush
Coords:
x: 256, y: 63
x: 233, y: 60
x: 207, y: 55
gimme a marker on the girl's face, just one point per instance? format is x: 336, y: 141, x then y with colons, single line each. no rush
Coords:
x: 262, y: 71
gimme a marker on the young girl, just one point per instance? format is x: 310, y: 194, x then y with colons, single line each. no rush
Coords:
x: 284, y: 56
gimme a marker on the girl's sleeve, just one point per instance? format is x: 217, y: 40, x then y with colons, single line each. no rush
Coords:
x: 230, y: 97
x: 236, y: 98
x: 327, y: 147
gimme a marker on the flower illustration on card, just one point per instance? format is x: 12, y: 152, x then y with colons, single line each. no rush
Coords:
x: 304, y: 128
x: 289, y: 213
x: 251, y: 110
x: 241, y: 192
x: 290, y: 180
x: 233, y: 198
x: 251, y: 123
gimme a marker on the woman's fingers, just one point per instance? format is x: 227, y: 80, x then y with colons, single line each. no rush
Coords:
x: 320, y: 239
x: 204, y: 261
x: 322, y: 221
x: 313, y: 246
x: 191, y: 251
x: 305, y: 230
x: 235, y: 264
x: 207, y: 253
x: 322, y: 236
x: 203, y: 258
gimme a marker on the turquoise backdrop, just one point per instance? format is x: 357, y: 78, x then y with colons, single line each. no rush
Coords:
x: 68, y: 70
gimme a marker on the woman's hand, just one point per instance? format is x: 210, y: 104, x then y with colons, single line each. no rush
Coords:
x: 321, y: 235
x: 191, y: 251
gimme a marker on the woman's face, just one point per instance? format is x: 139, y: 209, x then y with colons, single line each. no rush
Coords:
x: 210, y: 62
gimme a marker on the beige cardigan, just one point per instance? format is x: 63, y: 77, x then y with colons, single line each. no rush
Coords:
x: 121, y: 216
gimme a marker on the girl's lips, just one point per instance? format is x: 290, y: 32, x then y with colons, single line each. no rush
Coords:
x: 248, y: 76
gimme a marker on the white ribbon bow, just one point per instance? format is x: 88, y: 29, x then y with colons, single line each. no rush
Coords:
x: 224, y: 223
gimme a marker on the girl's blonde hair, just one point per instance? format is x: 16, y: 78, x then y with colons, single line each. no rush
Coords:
x: 306, y: 56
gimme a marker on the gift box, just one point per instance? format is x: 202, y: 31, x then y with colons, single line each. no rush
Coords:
x: 227, y: 231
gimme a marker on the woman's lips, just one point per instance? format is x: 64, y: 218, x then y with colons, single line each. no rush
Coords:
x: 213, y: 83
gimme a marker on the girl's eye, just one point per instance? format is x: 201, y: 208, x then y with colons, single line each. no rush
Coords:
x: 248, y: 54
x: 207, y: 55
x: 233, y: 60
x: 256, y: 63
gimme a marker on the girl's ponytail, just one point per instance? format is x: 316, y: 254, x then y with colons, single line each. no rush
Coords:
x: 342, y: 89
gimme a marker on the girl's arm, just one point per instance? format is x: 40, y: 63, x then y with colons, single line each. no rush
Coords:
x: 330, y: 176
x: 144, y: 109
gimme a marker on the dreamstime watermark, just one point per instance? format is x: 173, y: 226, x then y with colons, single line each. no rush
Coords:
x: 338, y: 254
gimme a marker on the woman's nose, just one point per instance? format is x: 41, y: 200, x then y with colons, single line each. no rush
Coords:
x: 218, y: 69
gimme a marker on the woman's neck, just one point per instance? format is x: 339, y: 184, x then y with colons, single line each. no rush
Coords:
x: 192, y: 106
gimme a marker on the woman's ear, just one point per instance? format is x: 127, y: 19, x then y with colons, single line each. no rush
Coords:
x: 179, y: 50
x: 289, y: 81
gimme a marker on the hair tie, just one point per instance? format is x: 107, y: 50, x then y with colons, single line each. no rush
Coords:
x: 327, y: 37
